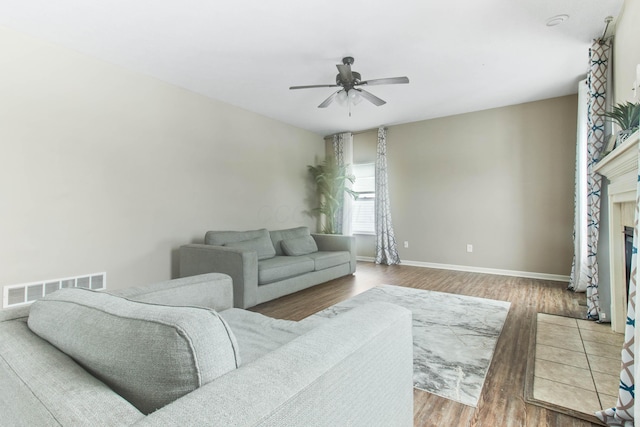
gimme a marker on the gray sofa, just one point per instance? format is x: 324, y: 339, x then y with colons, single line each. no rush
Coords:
x: 130, y: 360
x: 265, y: 265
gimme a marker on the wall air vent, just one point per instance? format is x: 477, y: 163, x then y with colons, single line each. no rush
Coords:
x: 15, y: 295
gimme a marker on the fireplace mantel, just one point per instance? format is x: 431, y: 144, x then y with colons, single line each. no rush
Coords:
x: 620, y: 167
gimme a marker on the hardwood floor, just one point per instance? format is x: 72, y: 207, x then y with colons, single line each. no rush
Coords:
x: 502, y: 400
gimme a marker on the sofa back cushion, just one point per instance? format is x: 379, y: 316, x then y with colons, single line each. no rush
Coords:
x: 257, y: 240
x: 299, y: 246
x: 42, y: 386
x: 149, y: 354
x: 277, y: 236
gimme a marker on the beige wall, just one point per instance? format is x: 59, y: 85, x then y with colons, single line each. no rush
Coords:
x: 626, y: 51
x: 102, y: 169
x: 500, y: 179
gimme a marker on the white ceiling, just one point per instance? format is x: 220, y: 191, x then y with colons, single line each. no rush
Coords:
x: 460, y: 55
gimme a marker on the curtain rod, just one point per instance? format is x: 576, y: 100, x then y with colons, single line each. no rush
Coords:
x: 607, y: 21
x: 356, y: 133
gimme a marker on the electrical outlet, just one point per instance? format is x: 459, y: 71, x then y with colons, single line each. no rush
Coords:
x: 603, y: 316
x: 406, y: 243
x: 469, y: 248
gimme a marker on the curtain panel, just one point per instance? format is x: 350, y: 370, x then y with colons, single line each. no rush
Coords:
x: 597, y: 91
x: 579, y: 272
x: 386, y: 246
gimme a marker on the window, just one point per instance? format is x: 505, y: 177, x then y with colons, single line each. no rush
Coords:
x: 363, y: 214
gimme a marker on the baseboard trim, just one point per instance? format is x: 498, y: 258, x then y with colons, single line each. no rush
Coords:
x: 470, y: 269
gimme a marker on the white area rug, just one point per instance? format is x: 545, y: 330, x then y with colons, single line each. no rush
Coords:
x: 454, y: 337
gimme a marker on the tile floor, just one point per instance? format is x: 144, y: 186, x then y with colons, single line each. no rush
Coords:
x: 577, y: 363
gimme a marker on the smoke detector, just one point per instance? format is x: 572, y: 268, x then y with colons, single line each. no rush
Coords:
x: 556, y: 20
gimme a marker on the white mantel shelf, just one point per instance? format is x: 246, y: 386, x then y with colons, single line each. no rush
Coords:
x: 620, y: 167
x: 621, y: 161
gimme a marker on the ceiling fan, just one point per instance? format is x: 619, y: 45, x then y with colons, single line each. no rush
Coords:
x: 350, y: 83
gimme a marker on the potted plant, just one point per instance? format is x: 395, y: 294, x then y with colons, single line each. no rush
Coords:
x: 331, y: 179
x: 627, y: 116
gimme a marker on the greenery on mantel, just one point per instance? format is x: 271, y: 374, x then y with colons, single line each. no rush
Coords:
x: 331, y: 184
x: 626, y: 115
x: 631, y: 135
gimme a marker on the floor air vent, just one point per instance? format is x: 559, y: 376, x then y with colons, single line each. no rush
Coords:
x: 14, y: 295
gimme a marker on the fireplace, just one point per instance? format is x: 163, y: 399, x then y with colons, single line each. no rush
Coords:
x: 620, y: 167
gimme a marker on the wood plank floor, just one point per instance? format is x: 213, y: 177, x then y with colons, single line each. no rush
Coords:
x: 502, y: 400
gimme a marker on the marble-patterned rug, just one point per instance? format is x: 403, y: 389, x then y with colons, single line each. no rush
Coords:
x: 454, y: 337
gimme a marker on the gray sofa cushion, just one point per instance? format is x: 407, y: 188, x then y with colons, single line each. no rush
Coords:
x: 299, y: 246
x: 41, y: 386
x: 257, y: 240
x: 149, y: 354
x: 278, y: 236
x: 221, y: 238
x: 325, y: 260
x: 262, y: 245
x: 258, y: 335
x: 282, y: 267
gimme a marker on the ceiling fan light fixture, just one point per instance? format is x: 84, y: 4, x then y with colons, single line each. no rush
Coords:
x: 354, y: 97
x: 342, y: 97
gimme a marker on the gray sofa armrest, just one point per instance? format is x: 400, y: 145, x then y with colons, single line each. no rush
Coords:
x: 12, y: 313
x: 335, y: 242
x: 355, y: 369
x: 240, y: 264
x: 213, y: 290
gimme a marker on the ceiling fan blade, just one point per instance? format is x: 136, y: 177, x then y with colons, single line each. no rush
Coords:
x: 329, y: 100
x: 371, y: 97
x: 345, y: 72
x: 387, y: 81
x: 311, y: 86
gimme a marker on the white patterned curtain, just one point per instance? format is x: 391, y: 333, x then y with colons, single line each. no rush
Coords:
x: 597, y: 84
x: 343, y: 152
x: 386, y: 247
x: 579, y: 271
x: 623, y: 413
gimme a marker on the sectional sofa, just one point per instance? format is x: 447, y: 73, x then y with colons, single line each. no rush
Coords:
x: 266, y: 265
x: 176, y: 354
